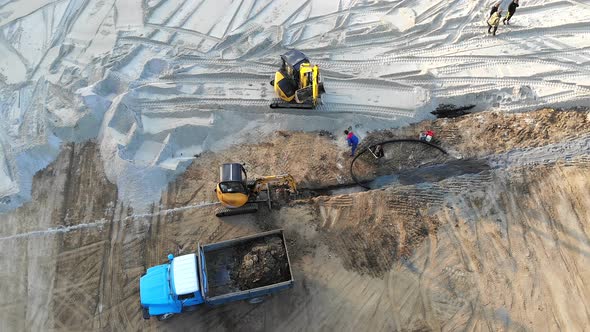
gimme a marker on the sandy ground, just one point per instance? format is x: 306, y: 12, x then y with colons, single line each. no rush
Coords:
x: 503, y: 249
x: 166, y: 90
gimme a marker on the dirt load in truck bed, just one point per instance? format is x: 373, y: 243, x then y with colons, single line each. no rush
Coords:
x: 265, y: 263
x: 257, y: 263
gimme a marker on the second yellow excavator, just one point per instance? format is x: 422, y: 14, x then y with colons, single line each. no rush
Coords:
x: 240, y: 196
x: 297, y: 82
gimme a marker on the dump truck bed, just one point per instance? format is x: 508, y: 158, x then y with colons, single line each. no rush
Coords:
x: 244, y: 268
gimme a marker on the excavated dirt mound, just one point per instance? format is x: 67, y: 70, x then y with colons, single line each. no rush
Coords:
x: 372, y: 230
x: 486, y: 133
x: 265, y: 263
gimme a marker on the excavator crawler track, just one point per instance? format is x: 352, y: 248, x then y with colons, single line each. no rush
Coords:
x: 226, y: 212
x: 292, y: 105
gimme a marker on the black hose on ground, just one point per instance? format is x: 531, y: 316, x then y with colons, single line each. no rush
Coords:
x: 354, y: 178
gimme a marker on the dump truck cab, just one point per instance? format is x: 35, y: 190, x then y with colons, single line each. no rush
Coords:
x: 232, y: 190
x: 170, y: 288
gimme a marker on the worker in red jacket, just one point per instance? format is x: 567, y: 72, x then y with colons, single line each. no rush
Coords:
x: 352, y: 140
x: 427, y: 135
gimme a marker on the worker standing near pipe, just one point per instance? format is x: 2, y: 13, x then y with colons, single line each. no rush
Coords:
x: 352, y: 140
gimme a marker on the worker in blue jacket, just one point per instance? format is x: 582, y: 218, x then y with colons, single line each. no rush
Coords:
x: 352, y: 140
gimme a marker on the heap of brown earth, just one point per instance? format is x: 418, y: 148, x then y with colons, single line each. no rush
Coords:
x: 265, y: 263
x: 487, y: 133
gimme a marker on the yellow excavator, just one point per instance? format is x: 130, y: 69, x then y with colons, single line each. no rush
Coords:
x: 297, y: 83
x: 240, y: 196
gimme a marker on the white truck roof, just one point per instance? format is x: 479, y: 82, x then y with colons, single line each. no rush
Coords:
x: 184, y: 270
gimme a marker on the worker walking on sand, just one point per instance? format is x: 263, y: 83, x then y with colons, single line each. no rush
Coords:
x: 494, y: 21
x: 511, y: 11
x: 352, y: 140
x: 495, y: 8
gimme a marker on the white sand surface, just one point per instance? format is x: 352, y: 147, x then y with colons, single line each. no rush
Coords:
x: 159, y: 81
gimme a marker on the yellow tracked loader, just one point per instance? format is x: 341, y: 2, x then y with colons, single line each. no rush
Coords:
x: 297, y: 83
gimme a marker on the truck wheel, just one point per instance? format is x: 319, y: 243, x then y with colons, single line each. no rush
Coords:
x: 145, y: 313
x: 256, y: 300
x: 165, y: 317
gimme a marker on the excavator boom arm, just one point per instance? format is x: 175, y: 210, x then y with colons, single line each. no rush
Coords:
x: 284, y: 179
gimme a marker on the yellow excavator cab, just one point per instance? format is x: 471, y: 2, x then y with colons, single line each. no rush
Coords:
x: 232, y: 189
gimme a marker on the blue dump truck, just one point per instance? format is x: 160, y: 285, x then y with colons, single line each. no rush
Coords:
x: 246, y: 268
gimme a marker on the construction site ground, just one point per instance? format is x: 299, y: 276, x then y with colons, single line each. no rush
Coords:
x: 506, y: 248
